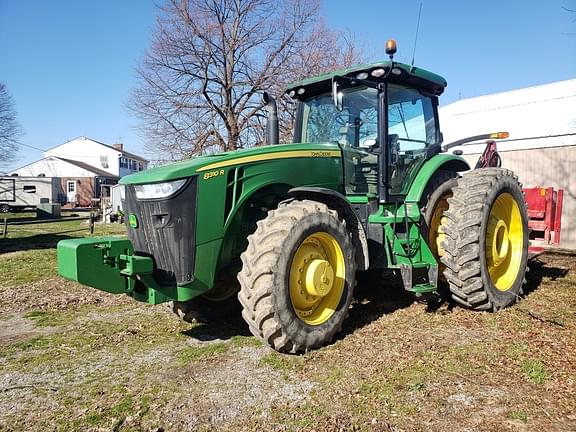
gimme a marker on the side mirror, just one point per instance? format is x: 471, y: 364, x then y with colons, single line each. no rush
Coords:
x: 337, y: 95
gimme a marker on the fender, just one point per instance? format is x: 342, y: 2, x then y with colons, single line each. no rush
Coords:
x: 338, y: 202
x: 431, y: 166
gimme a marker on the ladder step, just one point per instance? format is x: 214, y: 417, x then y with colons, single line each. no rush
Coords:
x: 420, y: 265
x: 420, y: 282
x: 422, y: 289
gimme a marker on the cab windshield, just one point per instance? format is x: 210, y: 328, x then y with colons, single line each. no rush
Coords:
x: 412, y: 130
x: 355, y: 126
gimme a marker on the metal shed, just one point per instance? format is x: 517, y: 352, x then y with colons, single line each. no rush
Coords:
x: 541, y: 148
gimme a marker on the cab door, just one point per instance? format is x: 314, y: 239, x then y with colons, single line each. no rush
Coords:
x: 359, y: 141
x: 412, y: 131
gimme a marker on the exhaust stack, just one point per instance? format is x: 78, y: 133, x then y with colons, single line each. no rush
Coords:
x: 272, y: 119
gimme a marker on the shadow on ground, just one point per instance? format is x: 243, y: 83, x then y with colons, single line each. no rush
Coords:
x: 39, y: 241
x: 539, y: 269
x: 377, y: 294
x: 208, y: 332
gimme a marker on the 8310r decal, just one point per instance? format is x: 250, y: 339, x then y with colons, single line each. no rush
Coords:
x: 212, y: 174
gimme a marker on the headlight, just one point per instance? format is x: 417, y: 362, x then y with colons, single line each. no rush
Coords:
x: 158, y: 190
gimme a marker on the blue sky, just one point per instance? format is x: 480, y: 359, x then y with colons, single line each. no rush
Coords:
x: 69, y: 64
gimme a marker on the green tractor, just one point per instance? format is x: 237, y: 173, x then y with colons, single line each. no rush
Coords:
x: 366, y: 184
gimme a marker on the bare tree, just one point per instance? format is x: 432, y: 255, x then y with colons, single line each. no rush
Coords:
x: 200, y: 84
x: 10, y: 129
x: 573, y: 13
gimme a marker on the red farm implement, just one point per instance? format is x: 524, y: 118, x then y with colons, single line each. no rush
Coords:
x: 544, y: 216
x: 544, y: 203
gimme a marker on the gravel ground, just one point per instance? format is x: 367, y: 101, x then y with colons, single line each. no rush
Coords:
x: 72, y: 358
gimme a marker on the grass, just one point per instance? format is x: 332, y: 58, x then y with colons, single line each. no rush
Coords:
x: 519, y: 415
x: 45, y: 318
x: 86, y: 360
x: 193, y: 354
x: 534, y: 371
x: 27, y: 266
x: 32, y: 247
x: 47, y: 234
x: 277, y: 361
x: 245, y: 341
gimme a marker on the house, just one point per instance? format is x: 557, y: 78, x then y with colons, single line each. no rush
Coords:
x: 84, y: 166
x: 541, y: 148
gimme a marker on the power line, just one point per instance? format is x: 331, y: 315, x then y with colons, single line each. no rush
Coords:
x: 58, y: 154
x: 28, y: 145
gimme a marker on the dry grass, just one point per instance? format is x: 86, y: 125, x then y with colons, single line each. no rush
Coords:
x: 72, y: 358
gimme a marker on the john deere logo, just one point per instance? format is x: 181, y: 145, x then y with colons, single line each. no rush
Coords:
x: 133, y: 221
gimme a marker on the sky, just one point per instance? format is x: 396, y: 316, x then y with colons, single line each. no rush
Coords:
x: 70, y: 65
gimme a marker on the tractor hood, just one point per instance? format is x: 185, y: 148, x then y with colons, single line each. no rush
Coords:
x: 203, y: 164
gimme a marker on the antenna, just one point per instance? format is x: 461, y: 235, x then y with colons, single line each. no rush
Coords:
x: 416, y: 38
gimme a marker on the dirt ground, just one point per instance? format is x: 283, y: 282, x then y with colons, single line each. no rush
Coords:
x: 72, y: 358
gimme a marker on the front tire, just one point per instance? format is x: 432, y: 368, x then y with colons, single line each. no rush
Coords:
x: 486, y: 239
x: 297, y: 277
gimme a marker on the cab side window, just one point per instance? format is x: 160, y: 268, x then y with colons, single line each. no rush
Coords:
x: 411, y: 130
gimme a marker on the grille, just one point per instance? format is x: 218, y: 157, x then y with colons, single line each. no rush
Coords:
x: 166, y: 232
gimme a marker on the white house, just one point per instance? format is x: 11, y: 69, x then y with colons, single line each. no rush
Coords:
x: 541, y: 147
x: 84, y: 166
x: 113, y: 159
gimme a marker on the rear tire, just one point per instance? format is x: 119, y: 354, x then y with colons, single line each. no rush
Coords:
x: 486, y: 240
x: 435, y: 204
x: 4, y: 208
x: 297, y: 277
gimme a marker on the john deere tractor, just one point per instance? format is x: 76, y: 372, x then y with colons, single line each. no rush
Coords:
x: 282, y: 229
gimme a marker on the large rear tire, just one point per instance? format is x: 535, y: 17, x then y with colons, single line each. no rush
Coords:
x: 434, y: 204
x: 297, y: 277
x: 486, y: 239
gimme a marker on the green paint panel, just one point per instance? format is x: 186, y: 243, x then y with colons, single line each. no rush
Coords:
x: 201, y: 164
x: 440, y: 161
x: 214, y: 217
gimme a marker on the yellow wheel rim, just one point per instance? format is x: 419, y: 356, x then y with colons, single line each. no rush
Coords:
x: 317, y: 277
x: 435, y: 230
x: 504, y: 244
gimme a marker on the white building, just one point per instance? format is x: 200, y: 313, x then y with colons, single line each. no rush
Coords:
x: 541, y: 148
x: 84, y: 166
x: 113, y: 159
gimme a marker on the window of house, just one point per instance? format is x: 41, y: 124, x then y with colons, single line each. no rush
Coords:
x: 104, y: 161
x: 123, y: 162
x: 30, y: 189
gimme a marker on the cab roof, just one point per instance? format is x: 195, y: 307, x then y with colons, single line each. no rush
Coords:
x: 401, y: 74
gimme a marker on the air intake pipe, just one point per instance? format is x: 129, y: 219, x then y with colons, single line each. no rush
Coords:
x: 272, y: 119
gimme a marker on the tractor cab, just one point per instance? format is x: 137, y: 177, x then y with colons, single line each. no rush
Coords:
x: 360, y: 109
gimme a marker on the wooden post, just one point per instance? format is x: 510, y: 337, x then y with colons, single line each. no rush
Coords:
x: 5, y: 232
x: 91, y: 222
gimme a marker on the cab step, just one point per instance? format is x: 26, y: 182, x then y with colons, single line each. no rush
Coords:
x: 423, y: 289
x: 419, y: 277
